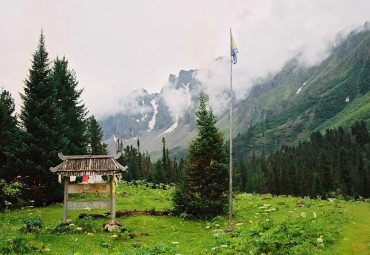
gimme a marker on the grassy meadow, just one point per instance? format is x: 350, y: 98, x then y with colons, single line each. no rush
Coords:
x: 263, y: 224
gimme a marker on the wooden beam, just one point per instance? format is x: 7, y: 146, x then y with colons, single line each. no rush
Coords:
x: 112, y: 199
x: 65, y: 201
x: 89, y: 188
x: 80, y: 205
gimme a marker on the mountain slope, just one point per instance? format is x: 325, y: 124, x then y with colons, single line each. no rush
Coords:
x: 336, y: 94
x: 150, y: 117
x: 279, y: 110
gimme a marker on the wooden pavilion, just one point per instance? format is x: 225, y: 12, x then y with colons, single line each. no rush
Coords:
x: 89, y: 166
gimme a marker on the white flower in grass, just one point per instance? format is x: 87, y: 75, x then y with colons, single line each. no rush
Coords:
x: 320, y: 240
x: 214, y: 248
x: 217, y: 225
x: 208, y: 227
x: 114, y: 236
x: 71, y: 225
x: 79, y: 229
x: 303, y: 214
x: 223, y: 246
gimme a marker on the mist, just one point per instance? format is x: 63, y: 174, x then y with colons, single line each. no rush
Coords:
x: 116, y: 47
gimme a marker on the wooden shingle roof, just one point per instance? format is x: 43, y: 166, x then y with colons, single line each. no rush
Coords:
x: 88, y: 165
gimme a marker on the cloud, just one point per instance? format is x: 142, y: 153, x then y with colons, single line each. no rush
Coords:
x: 177, y: 100
x: 268, y: 38
x: 134, y: 104
x: 118, y: 46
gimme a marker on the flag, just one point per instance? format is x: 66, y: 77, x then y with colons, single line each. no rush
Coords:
x: 233, y: 49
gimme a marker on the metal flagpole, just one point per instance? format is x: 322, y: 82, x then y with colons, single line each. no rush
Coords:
x: 231, y: 142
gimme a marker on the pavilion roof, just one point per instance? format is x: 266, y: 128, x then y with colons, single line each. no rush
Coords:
x: 79, y: 165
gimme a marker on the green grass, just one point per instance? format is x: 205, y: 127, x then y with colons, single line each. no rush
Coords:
x: 356, y: 239
x: 261, y: 223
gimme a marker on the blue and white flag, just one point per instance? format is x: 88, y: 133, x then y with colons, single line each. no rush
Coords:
x: 233, y: 49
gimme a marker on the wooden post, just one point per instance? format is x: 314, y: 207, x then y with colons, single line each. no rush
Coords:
x: 65, y: 202
x: 112, y: 199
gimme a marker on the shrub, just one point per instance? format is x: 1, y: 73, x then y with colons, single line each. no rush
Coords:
x: 88, y: 224
x: 18, y: 245
x: 32, y: 224
x: 62, y: 227
x: 10, y: 193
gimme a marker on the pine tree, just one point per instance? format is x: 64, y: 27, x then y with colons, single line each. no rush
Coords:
x: 94, y: 136
x: 73, y: 122
x: 324, y: 170
x: 166, y: 161
x: 203, y: 192
x: 40, y: 116
x: 9, y: 136
x: 158, y: 172
x: 345, y: 170
x: 130, y: 158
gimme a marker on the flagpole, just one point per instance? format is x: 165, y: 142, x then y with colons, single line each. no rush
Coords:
x: 231, y: 143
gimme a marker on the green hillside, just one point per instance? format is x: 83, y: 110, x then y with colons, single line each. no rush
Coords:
x: 299, y: 100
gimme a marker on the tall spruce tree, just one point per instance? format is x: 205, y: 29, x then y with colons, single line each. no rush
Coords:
x: 40, y: 116
x: 73, y: 121
x: 203, y: 192
x: 94, y: 136
x: 9, y: 136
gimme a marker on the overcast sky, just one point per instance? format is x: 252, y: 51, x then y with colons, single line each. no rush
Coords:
x: 116, y: 46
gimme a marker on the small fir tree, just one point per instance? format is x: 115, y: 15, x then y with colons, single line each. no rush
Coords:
x: 203, y: 191
x: 95, y: 135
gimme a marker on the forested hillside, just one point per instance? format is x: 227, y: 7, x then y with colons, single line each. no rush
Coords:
x: 334, y: 94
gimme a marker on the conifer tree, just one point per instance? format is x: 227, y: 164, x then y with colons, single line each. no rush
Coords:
x: 73, y: 122
x: 159, y: 175
x: 9, y: 136
x: 40, y: 116
x: 203, y: 192
x: 95, y: 135
x: 165, y: 161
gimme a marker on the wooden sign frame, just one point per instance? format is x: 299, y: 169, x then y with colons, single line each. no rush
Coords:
x: 92, y: 188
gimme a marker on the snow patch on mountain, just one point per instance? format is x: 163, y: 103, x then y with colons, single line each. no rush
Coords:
x: 173, y: 127
x: 299, y: 90
x: 187, y: 90
x: 170, y: 129
x: 152, y: 121
x: 115, y: 139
